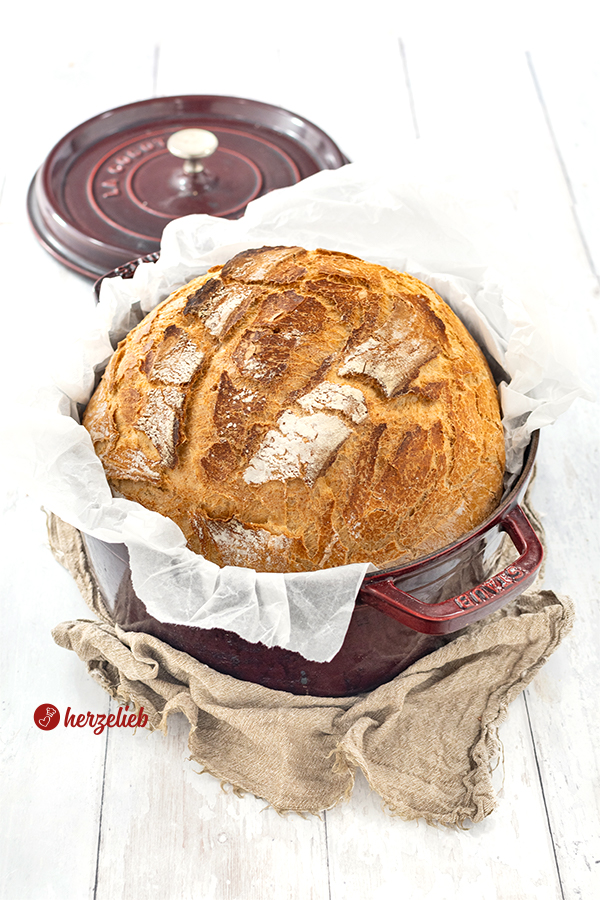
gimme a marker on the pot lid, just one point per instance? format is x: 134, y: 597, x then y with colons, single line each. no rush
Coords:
x: 108, y: 188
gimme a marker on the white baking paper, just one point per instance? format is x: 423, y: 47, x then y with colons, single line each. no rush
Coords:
x: 379, y: 219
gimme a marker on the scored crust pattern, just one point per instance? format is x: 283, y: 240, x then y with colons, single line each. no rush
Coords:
x: 294, y: 410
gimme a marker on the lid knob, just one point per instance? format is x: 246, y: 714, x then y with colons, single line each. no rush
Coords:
x: 192, y: 145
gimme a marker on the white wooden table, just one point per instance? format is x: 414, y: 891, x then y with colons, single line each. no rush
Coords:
x: 510, y: 103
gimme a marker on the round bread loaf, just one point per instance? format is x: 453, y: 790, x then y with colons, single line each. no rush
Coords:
x: 294, y: 410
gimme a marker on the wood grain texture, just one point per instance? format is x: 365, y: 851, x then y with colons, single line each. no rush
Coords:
x: 216, y: 844
x: 497, y: 118
x: 508, y: 855
x: 52, y: 782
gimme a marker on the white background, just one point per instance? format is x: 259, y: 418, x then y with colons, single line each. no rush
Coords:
x: 503, y: 105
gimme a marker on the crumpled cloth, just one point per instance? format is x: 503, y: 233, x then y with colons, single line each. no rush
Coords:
x: 427, y: 741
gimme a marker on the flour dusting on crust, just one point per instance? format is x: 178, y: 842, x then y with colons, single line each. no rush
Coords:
x: 177, y: 359
x: 393, y: 356
x: 302, y: 447
x: 133, y: 465
x: 160, y: 421
x: 235, y: 541
x: 328, y: 395
x: 230, y: 310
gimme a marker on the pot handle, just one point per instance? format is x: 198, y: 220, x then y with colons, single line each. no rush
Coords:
x: 457, y: 612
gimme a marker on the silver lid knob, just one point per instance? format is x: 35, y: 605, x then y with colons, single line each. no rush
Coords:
x: 192, y: 145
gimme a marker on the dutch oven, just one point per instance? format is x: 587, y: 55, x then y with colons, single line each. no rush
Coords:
x: 400, y: 615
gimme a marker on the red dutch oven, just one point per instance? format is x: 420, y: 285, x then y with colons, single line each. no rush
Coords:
x: 401, y: 613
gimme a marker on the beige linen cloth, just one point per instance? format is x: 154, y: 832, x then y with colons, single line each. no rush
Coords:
x: 427, y: 741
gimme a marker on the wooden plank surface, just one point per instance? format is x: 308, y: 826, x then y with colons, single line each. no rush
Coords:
x: 490, y: 114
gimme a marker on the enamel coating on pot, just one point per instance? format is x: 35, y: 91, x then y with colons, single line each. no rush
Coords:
x: 377, y: 647
x: 107, y: 189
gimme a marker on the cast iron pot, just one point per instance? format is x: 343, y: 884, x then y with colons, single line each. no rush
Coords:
x: 401, y: 614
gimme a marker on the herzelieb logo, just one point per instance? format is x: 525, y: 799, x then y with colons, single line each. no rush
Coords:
x: 47, y: 717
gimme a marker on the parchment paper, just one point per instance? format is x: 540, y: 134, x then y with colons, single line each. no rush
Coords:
x: 379, y: 219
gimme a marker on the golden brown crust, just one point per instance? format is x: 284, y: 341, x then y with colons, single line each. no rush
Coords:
x: 295, y: 410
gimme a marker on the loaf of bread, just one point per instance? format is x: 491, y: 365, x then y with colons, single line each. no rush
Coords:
x: 294, y: 410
